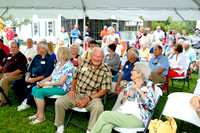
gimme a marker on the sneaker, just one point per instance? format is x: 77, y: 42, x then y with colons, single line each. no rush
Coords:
x: 24, y: 102
x: 23, y: 107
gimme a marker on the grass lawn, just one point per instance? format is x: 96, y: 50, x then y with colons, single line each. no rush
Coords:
x: 12, y: 121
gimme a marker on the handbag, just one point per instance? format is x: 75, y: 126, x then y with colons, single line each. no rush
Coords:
x: 158, y: 126
x: 48, y: 85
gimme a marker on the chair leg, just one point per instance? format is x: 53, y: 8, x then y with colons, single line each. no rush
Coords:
x: 182, y: 122
x: 69, y: 119
x: 183, y: 84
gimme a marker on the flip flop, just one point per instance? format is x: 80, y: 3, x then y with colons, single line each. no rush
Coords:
x: 32, y: 117
x: 35, y: 122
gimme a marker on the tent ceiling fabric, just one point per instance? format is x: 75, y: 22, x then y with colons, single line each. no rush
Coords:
x: 150, y: 10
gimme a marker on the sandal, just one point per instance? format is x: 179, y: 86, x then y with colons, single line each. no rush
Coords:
x: 35, y: 122
x: 32, y: 117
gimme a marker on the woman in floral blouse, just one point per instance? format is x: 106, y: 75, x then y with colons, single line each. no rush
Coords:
x: 59, y: 83
x: 136, y: 105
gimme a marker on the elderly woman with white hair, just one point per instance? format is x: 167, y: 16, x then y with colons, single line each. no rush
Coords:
x: 114, y: 38
x: 58, y: 83
x: 75, y: 57
x: 136, y: 104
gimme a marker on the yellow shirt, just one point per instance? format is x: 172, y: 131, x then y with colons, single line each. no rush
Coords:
x: 144, y: 53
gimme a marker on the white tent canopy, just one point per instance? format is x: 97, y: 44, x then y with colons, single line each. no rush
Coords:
x: 150, y: 10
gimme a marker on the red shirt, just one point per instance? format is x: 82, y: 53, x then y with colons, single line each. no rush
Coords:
x: 6, y: 49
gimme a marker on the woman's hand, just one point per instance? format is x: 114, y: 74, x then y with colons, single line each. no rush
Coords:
x: 130, y: 93
x: 136, y: 87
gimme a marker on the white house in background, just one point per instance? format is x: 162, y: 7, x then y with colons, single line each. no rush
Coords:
x: 50, y: 28
x: 40, y: 28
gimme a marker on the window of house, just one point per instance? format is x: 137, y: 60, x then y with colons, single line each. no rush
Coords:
x: 35, y: 29
x: 50, y: 28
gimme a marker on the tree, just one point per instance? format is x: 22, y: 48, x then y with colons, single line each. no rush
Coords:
x: 15, y: 22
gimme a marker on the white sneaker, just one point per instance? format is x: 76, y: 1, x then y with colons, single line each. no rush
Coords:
x: 24, y: 102
x: 23, y: 107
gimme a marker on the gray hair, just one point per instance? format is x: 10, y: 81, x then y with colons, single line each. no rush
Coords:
x: 144, y: 68
x: 29, y: 39
x: 78, y: 49
x: 97, y: 48
x: 180, y: 40
x: 134, y: 51
x: 111, y: 29
x: 64, y: 53
x: 44, y: 45
x: 187, y: 43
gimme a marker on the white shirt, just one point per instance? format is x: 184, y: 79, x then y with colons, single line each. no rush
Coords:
x: 157, y: 35
x: 182, y: 62
x: 30, y: 52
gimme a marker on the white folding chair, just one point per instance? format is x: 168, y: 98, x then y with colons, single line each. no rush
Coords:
x: 184, y: 78
x: 178, y: 106
x: 158, y: 93
x: 75, y: 109
x: 52, y: 97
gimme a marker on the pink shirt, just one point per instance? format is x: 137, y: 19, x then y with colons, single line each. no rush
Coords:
x: 10, y: 33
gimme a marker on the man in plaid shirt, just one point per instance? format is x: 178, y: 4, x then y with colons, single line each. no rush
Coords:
x: 91, y: 81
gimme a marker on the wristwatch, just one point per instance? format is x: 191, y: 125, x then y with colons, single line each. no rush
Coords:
x: 90, y: 98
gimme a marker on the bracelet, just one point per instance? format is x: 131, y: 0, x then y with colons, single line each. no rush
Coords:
x: 90, y: 98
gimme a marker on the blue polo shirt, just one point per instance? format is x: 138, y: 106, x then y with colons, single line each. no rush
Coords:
x: 160, y: 62
x: 128, y: 67
x: 190, y: 54
x: 75, y: 33
x: 41, y: 67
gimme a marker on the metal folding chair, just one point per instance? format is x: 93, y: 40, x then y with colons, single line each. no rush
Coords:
x: 51, y: 97
x: 81, y: 110
x: 184, y: 79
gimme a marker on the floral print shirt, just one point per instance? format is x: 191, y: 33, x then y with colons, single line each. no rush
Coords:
x: 67, y: 69
x: 145, y: 106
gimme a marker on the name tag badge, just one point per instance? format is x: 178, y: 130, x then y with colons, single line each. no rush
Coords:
x: 159, y: 64
x: 75, y: 59
x: 126, y: 66
x: 42, y: 62
x: 8, y: 58
x: 84, y: 68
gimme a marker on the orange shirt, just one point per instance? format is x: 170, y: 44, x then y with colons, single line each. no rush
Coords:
x: 104, y: 33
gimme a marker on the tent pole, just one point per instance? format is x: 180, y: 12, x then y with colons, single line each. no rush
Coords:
x: 84, y: 15
x: 4, y: 12
x: 184, y: 20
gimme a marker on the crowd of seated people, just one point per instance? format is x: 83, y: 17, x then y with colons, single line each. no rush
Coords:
x: 82, y: 77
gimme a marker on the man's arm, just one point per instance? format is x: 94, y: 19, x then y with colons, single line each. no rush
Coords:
x: 16, y: 72
x: 159, y: 71
x: 72, y: 93
x: 83, y: 102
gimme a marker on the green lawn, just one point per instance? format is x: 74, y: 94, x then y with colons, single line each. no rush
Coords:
x: 12, y: 121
